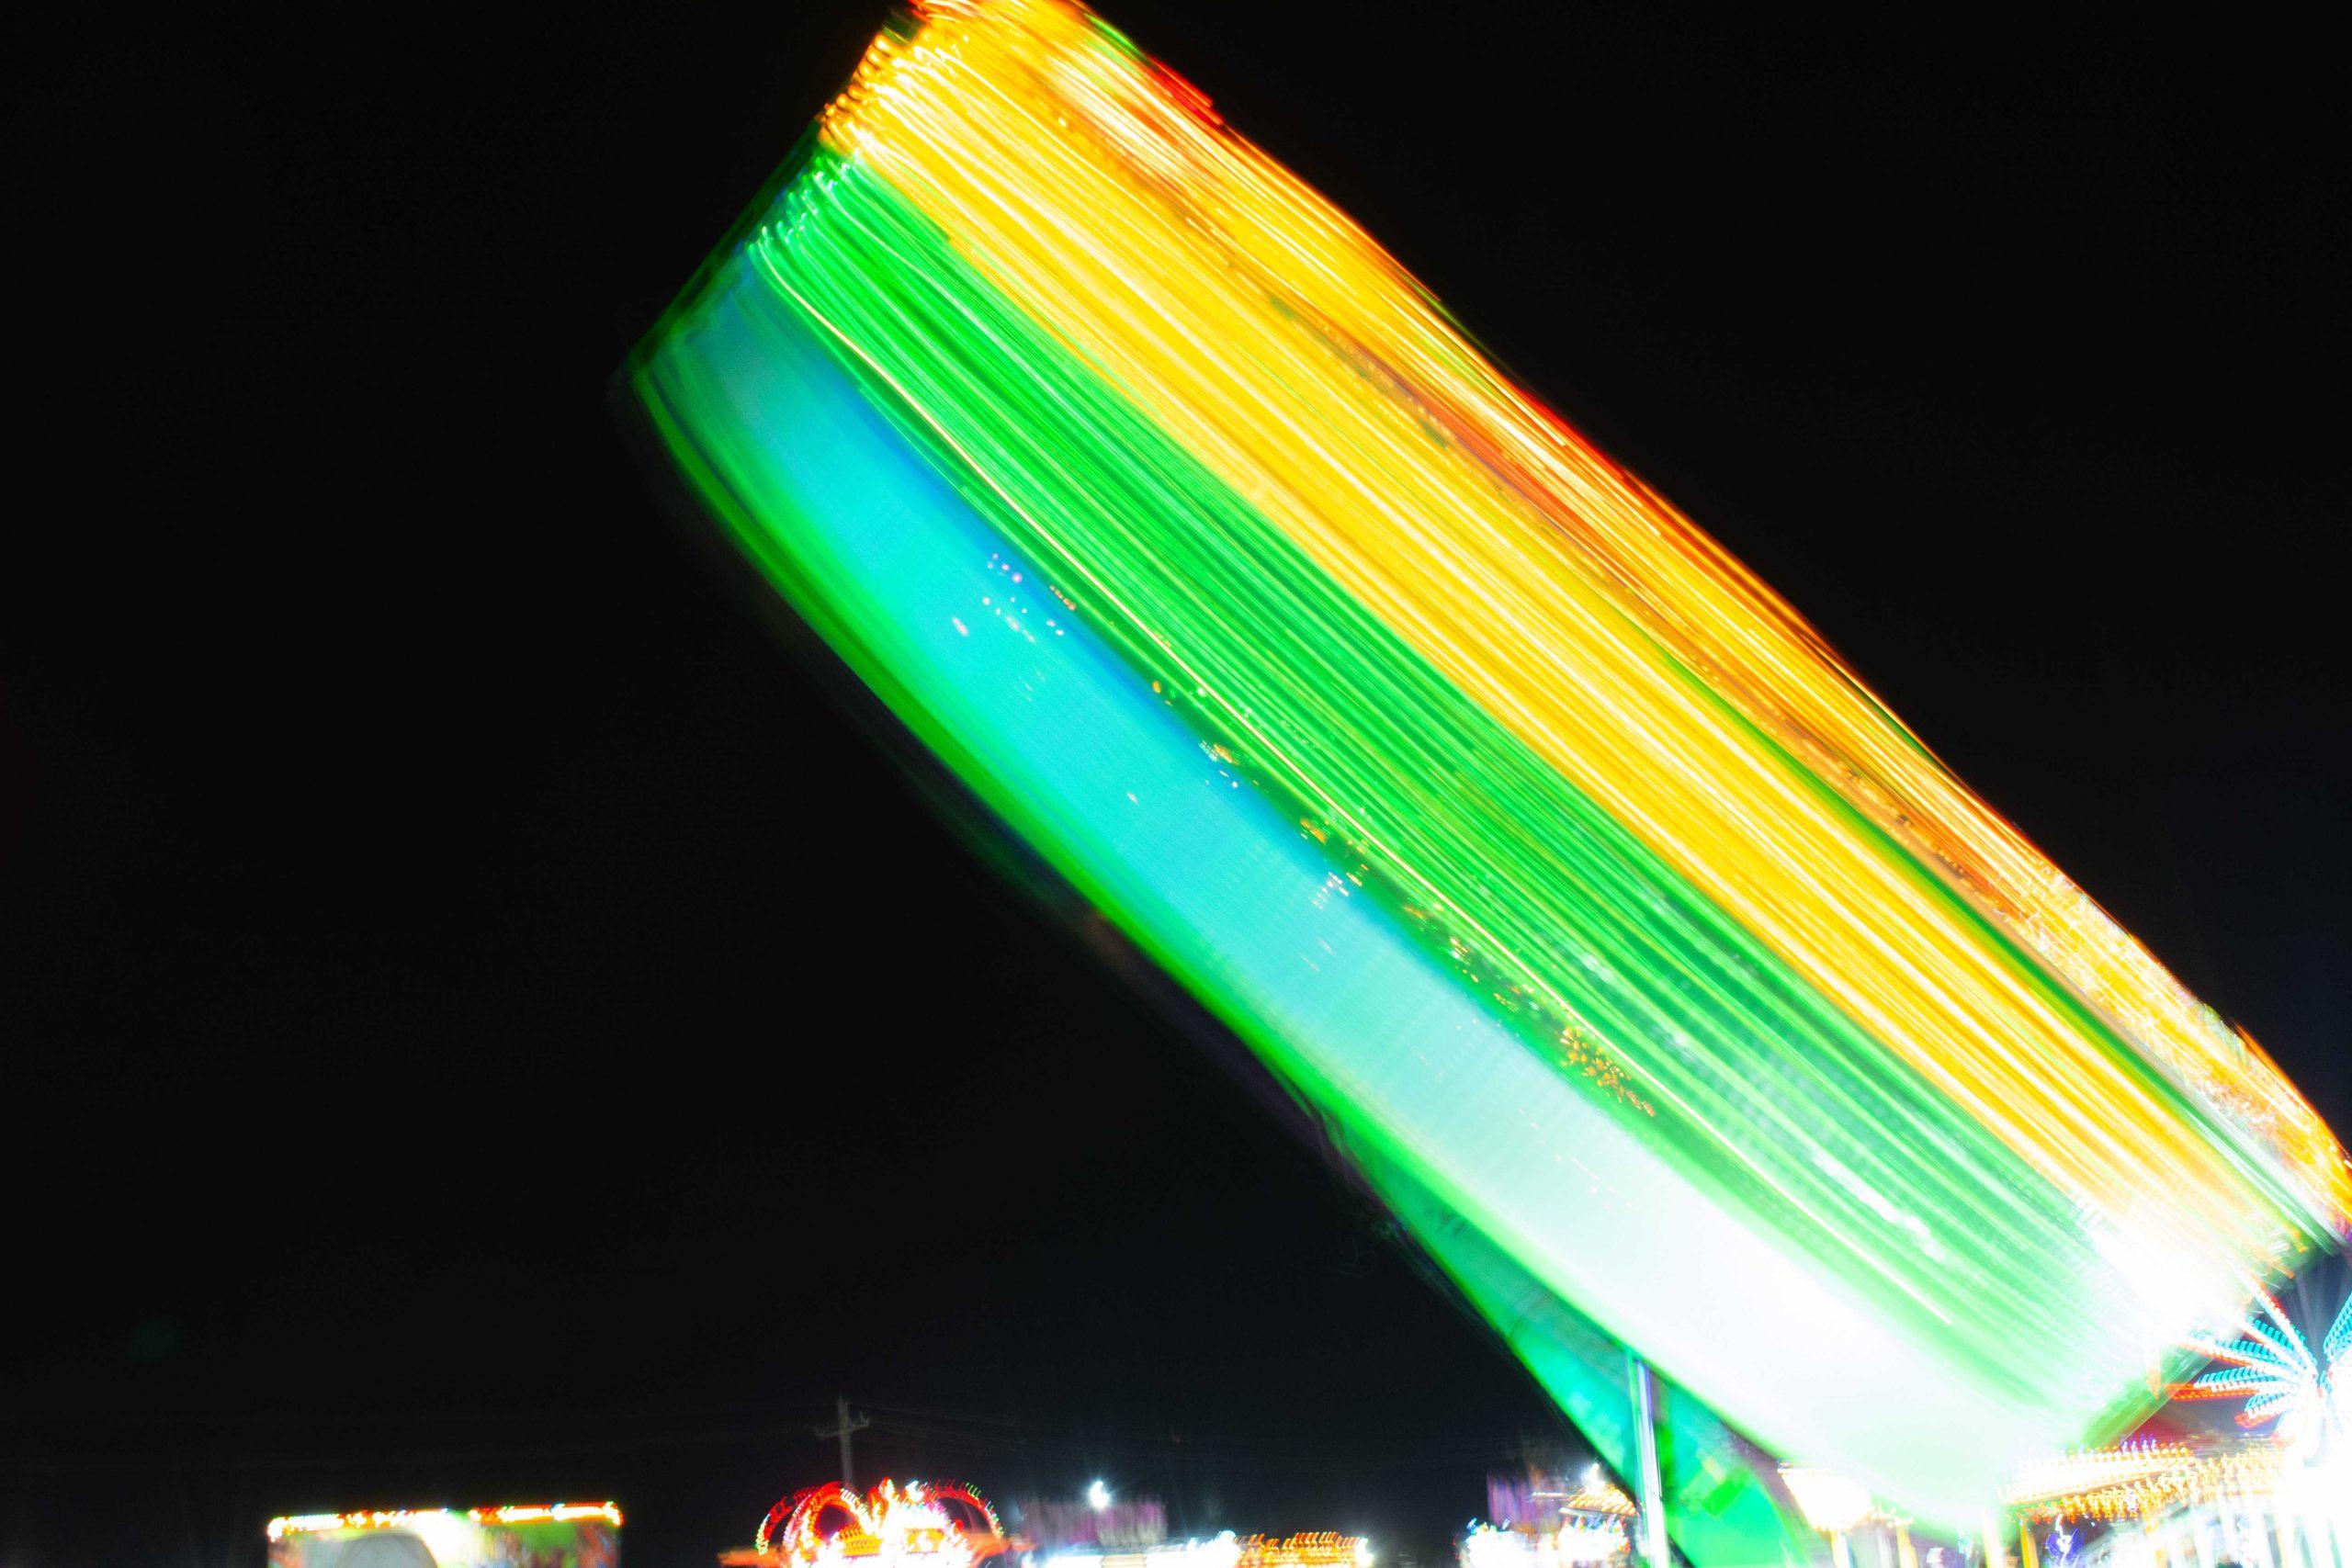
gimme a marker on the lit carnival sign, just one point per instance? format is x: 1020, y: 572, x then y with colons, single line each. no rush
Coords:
x: 412, y: 1518
x: 547, y: 1535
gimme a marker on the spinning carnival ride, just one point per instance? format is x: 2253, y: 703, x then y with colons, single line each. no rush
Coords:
x: 939, y: 1524
x: 1669, y: 990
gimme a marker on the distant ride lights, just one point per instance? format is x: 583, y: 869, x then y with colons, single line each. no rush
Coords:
x: 1591, y: 1524
x: 544, y: 1535
x: 1317, y: 1549
x: 1570, y: 1546
x: 2180, y: 1505
x: 937, y: 1524
x: 946, y: 1524
x: 2273, y: 1368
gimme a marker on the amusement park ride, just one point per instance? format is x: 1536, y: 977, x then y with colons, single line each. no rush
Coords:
x: 949, y: 1525
x: 2275, y: 1499
x: 920, y: 1525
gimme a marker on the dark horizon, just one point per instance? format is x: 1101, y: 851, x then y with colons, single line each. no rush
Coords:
x: 494, y: 1024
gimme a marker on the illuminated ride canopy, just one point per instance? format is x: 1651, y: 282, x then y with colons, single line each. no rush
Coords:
x: 1673, y: 991
x: 924, y: 1523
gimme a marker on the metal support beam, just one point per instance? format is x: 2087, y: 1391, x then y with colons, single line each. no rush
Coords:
x: 1653, y: 1498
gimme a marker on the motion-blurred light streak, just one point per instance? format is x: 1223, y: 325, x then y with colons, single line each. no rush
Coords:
x: 1540, y: 848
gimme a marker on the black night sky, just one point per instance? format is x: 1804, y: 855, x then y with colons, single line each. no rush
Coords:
x: 486, y: 1019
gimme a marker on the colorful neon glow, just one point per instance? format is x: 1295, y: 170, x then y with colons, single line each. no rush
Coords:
x: 1317, y: 1549
x: 937, y: 1524
x: 2154, y: 1504
x: 558, y: 1535
x: 1542, y: 850
x: 2272, y: 1368
x: 1220, y: 1550
x: 405, y: 1518
x: 2131, y: 1479
x: 1591, y: 1524
x: 1600, y: 1497
x: 1570, y: 1544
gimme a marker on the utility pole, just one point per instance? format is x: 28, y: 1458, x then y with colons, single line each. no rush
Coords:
x: 843, y: 1425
